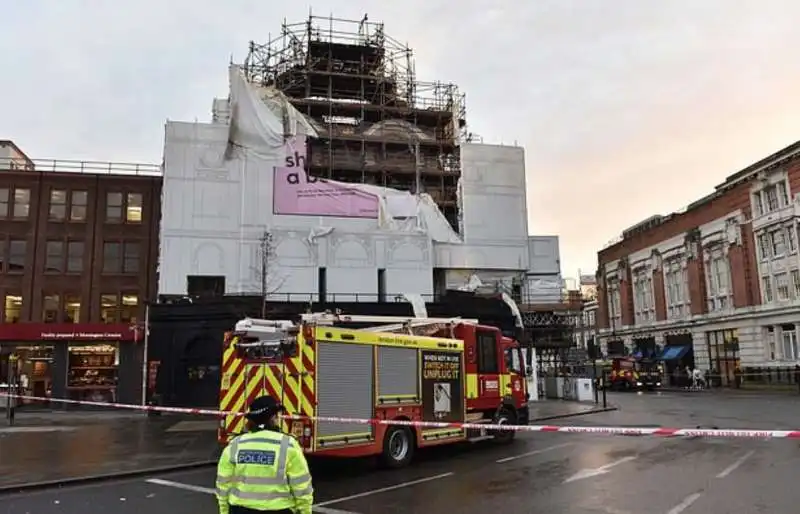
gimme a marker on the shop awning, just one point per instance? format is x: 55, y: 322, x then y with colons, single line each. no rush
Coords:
x: 672, y: 353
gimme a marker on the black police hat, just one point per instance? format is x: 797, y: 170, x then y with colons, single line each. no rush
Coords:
x: 264, y: 406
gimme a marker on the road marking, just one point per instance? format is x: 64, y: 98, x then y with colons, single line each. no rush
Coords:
x: 685, y: 504
x: 385, y: 489
x: 208, y: 490
x: 602, y: 470
x: 34, y: 430
x: 733, y: 467
x: 535, y: 452
x: 178, y: 485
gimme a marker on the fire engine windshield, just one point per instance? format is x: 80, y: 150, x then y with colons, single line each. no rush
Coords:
x: 513, y: 360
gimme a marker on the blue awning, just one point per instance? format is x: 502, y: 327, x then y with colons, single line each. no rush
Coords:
x: 672, y: 353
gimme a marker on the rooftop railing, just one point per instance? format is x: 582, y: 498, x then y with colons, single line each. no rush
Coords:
x: 73, y: 166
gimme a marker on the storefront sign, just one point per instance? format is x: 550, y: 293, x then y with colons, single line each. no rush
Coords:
x: 24, y: 332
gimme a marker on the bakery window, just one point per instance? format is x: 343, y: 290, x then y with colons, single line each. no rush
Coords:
x: 93, y: 372
x: 27, y: 368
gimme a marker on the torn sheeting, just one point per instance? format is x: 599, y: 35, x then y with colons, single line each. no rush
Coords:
x: 258, y: 114
x: 405, y: 212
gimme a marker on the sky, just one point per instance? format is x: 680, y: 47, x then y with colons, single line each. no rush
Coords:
x: 625, y: 108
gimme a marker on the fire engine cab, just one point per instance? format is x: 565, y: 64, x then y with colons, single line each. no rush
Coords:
x: 413, y: 369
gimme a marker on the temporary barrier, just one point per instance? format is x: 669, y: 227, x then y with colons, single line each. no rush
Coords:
x: 632, y: 431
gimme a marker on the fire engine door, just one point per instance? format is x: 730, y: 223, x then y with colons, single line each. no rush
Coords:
x: 513, y: 377
x: 489, y: 359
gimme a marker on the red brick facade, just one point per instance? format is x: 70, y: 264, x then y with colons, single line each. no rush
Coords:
x: 733, y: 197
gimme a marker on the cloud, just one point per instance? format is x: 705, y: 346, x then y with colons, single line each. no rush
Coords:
x: 614, y: 100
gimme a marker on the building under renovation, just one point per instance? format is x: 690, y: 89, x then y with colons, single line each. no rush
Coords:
x: 377, y: 124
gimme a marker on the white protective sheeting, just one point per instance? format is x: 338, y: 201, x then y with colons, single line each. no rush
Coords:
x: 257, y: 115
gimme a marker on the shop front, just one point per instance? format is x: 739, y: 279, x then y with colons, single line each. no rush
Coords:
x: 95, y: 362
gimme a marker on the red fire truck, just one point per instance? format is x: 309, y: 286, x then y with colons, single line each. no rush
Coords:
x: 417, y: 369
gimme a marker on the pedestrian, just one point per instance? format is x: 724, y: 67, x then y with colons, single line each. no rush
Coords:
x: 264, y: 470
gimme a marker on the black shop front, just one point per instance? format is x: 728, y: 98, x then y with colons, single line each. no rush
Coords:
x: 77, y: 361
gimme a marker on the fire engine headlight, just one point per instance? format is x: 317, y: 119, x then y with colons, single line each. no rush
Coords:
x: 638, y: 383
x: 658, y: 384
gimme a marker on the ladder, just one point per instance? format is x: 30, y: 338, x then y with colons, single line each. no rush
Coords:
x: 389, y: 324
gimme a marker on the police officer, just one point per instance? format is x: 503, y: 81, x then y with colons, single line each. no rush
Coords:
x: 264, y: 470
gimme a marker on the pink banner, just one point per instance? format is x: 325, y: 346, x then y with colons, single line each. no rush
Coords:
x: 295, y: 193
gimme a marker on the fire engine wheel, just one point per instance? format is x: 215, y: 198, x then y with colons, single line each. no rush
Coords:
x: 504, y: 417
x: 398, y: 447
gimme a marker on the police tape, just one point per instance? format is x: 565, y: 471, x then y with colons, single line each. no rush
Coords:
x: 568, y: 429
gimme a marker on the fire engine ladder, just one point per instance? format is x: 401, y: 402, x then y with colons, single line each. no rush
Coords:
x: 389, y: 324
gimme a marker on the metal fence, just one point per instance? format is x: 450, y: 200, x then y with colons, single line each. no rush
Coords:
x: 75, y: 166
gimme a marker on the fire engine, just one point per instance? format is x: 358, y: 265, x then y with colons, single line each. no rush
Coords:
x: 413, y: 369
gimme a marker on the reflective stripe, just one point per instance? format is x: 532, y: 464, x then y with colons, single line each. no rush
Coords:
x: 222, y: 493
x: 299, y: 480
x: 264, y: 440
x: 283, y: 456
x: 234, y: 447
x: 304, y: 491
x: 246, y: 495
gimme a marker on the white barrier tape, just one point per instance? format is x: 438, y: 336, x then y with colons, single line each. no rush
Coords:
x: 640, y: 431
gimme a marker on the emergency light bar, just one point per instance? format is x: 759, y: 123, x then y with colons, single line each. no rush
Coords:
x: 327, y: 317
x: 263, y: 325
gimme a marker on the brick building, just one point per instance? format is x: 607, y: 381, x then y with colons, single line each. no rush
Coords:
x: 78, y: 261
x: 716, y: 285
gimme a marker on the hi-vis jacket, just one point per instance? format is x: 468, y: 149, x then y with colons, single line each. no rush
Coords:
x: 264, y: 470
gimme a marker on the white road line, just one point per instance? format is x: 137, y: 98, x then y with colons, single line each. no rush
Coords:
x: 685, y: 504
x: 385, y: 489
x: 178, y: 485
x: 534, y: 452
x: 730, y: 469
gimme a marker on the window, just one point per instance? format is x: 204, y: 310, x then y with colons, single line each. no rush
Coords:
x: 109, y: 308
x: 614, y: 304
x: 675, y: 285
x: 51, y: 305
x: 791, y: 238
x: 205, y: 286
x: 4, y: 201
x: 13, y: 308
x: 789, y: 337
x: 112, y: 257
x: 17, y: 255
x: 75, y: 257
x: 130, y: 308
x: 782, y: 286
x: 783, y: 192
x: 758, y: 204
x: 487, y: 352
x: 114, y: 207
x: 772, y: 198
x: 22, y: 203
x: 718, y: 280
x: 643, y: 296
x: 796, y: 282
x: 778, y: 244
x: 767, y: 285
x: 131, y: 258
x: 58, y: 205
x: 77, y: 207
x: 133, y: 209
x: 72, y: 308
x: 764, y: 246
x: 54, y: 257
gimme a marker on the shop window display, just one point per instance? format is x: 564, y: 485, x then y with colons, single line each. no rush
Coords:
x: 31, y: 372
x: 93, y: 372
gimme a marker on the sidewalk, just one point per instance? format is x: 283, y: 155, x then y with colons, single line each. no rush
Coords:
x: 543, y: 410
x: 53, y: 447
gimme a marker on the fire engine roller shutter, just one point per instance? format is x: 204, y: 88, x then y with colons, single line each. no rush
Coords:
x: 345, y: 381
x: 398, y: 373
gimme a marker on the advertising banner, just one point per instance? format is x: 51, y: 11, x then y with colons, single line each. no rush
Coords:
x: 298, y: 194
x: 442, y: 386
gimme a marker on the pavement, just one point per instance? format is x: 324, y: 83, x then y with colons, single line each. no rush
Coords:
x: 538, y: 473
x: 44, y: 447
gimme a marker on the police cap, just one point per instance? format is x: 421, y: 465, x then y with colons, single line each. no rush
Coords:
x: 264, y: 407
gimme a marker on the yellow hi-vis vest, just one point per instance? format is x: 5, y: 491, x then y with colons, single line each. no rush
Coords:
x: 264, y: 470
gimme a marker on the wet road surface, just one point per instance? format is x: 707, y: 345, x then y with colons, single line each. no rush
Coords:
x: 540, y: 473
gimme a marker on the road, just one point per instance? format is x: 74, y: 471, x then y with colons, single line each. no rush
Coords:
x: 540, y: 473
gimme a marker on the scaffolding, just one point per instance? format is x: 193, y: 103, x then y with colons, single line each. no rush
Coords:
x: 377, y: 124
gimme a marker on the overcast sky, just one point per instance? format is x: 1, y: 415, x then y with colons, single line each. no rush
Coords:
x: 626, y: 108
